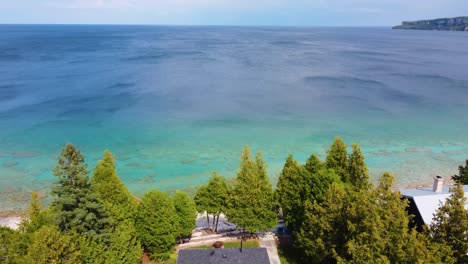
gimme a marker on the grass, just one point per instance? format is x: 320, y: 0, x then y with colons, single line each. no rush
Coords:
x: 235, y: 244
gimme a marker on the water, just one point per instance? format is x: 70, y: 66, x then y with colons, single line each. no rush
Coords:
x: 175, y: 103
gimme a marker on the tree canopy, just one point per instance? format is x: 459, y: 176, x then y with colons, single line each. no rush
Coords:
x: 76, y: 207
x: 450, y: 224
x: 186, y: 213
x: 251, y: 204
x: 157, y: 224
x: 462, y: 176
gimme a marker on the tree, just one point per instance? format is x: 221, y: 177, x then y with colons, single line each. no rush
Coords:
x: 252, y: 205
x: 202, y: 201
x: 76, y: 207
x: 36, y: 216
x: 357, y: 169
x: 213, y: 198
x: 367, y: 225
x: 292, y: 191
x: 313, y: 164
x: 186, y: 213
x: 157, y: 225
x: 296, y: 185
x: 462, y: 176
x: 13, y: 246
x: 123, y: 246
x: 337, y: 159
x: 450, y: 224
x: 48, y: 245
x: 111, y: 191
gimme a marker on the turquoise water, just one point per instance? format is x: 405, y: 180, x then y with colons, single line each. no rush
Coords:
x: 176, y: 103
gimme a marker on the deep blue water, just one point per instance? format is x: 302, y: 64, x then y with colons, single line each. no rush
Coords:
x: 175, y: 103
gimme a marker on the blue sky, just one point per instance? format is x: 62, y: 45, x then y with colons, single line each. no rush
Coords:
x: 228, y: 12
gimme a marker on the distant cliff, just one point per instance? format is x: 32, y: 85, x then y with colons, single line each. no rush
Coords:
x: 454, y: 24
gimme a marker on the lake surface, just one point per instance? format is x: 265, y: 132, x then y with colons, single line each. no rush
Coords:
x: 176, y: 103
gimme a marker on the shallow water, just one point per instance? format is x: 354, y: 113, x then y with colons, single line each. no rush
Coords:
x: 175, y: 103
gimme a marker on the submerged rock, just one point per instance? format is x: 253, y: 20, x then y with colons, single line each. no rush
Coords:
x: 26, y: 154
x: 10, y: 163
x: 418, y: 150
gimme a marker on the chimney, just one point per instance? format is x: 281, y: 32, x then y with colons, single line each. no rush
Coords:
x: 438, y: 184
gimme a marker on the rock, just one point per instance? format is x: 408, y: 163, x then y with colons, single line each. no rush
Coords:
x: 418, y: 150
x: 10, y: 164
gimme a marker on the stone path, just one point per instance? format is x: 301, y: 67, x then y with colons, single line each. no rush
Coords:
x: 269, y: 243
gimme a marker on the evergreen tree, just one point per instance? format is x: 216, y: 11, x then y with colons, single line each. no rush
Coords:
x: 252, y: 204
x: 36, y: 216
x: 13, y: 246
x: 203, y: 202
x: 213, y: 197
x: 313, y: 164
x: 186, y: 213
x: 337, y: 159
x: 49, y: 246
x: 296, y: 185
x: 123, y: 245
x: 450, y: 224
x: 354, y: 226
x: 357, y: 169
x: 218, y: 195
x: 157, y: 225
x: 292, y: 191
x: 111, y: 191
x: 462, y: 176
x: 76, y: 207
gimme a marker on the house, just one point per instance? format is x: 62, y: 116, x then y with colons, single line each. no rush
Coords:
x: 223, y: 256
x: 423, y: 202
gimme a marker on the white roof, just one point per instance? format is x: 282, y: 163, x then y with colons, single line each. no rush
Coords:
x: 427, y: 201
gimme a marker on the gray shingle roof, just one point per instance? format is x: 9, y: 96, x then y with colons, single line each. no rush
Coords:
x: 223, y: 256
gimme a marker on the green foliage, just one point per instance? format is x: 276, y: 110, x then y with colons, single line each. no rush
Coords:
x: 251, y: 203
x: 337, y: 159
x: 111, y: 191
x: 202, y: 199
x: 186, y: 213
x: 157, y: 225
x: 314, y: 164
x: 354, y: 226
x: 213, y: 197
x: 357, y: 169
x: 76, y: 207
x: 450, y: 224
x: 124, y: 247
x: 292, y: 192
x: 49, y: 246
x: 462, y: 176
x: 296, y: 185
x: 13, y: 246
x: 36, y: 216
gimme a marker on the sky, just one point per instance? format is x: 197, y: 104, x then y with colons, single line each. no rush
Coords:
x: 228, y: 12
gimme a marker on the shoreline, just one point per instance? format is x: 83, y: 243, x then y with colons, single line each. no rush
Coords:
x: 12, y: 218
